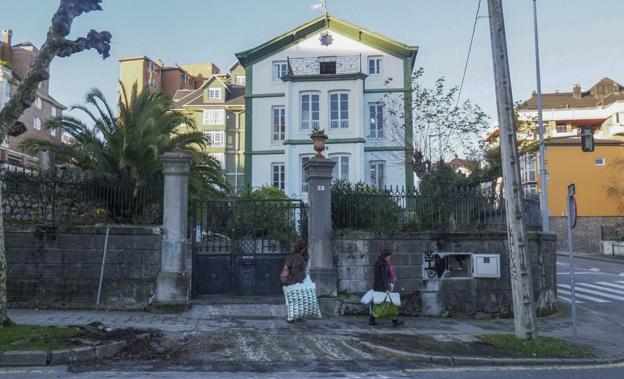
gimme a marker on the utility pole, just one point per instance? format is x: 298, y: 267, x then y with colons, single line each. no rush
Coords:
x: 540, y: 125
x: 525, y: 321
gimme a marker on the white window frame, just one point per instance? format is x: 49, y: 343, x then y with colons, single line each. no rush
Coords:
x: 8, y: 90
x: 377, y: 61
x: 38, y: 103
x: 37, y: 123
x: 53, y: 111
x: 338, y: 170
x: 217, y: 137
x: 313, y: 119
x: 214, y: 116
x: 212, y: 92
x: 601, y: 160
x: 377, y: 180
x: 340, y: 122
x: 241, y: 80
x: 151, y: 83
x: 278, y: 70
x: 281, y: 175
x: 375, y: 125
x: 302, y: 159
x: 278, y: 129
x: 528, y: 168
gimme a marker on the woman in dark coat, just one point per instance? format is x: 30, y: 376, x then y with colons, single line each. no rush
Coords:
x: 385, y: 277
x: 296, y: 266
x: 297, y: 263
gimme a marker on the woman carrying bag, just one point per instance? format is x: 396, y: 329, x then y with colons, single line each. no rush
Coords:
x: 385, y: 278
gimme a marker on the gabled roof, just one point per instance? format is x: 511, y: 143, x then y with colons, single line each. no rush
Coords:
x: 213, y: 78
x: 233, y: 65
x: 367, y: 37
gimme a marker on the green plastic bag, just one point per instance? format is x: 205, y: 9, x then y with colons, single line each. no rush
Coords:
x: 386, y: 310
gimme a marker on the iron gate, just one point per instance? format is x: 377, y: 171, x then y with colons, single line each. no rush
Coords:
x: 239, y: 245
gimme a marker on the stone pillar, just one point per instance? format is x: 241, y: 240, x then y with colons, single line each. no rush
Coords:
x: 173, y: 288
x: 322, y: 270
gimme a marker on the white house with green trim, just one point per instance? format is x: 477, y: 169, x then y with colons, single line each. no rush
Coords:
x: 331, y: 74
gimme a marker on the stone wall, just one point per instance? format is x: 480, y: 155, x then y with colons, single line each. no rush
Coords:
x: 355, y: 254
x: 587, y: 233
x: 59, y: 267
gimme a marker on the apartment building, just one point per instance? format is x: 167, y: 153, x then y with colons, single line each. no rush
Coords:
x: 14, y: 63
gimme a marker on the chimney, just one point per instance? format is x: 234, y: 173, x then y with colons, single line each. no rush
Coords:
x: 576, y: 91
x: 6, y: 36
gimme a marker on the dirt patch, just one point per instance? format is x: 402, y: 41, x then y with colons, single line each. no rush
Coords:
x: 425, y: 344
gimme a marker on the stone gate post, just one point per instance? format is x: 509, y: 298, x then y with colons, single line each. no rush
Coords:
x: 322, y: 271
x: 173, y: 286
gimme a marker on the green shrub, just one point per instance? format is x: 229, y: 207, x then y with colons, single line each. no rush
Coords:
x: 362, y: 207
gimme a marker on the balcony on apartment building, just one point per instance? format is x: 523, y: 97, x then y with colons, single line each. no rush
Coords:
x: 324, y: 66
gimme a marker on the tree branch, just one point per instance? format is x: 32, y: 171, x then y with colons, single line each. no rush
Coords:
x: 55, y: 45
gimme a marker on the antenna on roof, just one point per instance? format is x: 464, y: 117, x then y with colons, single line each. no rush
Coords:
x: 320, y: 6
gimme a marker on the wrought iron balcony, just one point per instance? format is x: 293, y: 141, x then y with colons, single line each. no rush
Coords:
x: 326, y: 65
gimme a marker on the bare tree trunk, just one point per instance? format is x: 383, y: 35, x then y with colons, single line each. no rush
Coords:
x: 55, y: 45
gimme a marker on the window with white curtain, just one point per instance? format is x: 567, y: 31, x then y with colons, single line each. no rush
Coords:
x: 310, y: 111
x: 341, y: 168
x: 376, y: 112
x: 280, y: 69
x: 278, y: 175
x: 278, y: 122
x: 214, y: 94
x: 378, y: 174
x: 338, y: 110
x: 214, y: 117
x: 217, y: 138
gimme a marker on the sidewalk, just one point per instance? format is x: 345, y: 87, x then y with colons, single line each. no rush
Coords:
x: 266, y: 338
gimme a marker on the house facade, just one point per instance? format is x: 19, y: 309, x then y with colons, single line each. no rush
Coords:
x: 218, y: 108
x: 16, y: 60
x: 336, y: 76
x: 601, y: 107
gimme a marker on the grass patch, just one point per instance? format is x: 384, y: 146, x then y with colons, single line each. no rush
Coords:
x: 33, y: 337
x: 542, y: 347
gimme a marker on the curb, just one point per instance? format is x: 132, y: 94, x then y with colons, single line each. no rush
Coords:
x: 597, y: 257
x: 487, y: 361
x: 61, y: 356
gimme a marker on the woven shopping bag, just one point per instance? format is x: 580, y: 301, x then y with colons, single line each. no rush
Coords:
x: 301, y: 301
x: 386, y: 310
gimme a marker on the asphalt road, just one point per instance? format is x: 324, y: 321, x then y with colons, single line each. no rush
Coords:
x: 599, y: 286
x: 580, y: 372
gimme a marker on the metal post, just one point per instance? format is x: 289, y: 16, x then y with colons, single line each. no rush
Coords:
x: 525, y: 320
x: 540, y: 122
x: 99, y: 293
x: 570, y: 202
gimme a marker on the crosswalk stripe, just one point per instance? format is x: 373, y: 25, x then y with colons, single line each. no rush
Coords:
x: 581, y: 296
x: 608, y: 296
x: 568, y: 300
x: 601, y: 288
x: 619, y: 286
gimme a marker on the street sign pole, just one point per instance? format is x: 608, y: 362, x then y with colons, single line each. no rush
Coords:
x: 571, y: 224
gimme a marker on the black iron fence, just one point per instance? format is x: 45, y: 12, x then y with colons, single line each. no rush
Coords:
x: 247, y: 226
x: 327, y: 65
x: 395, y: 209
x: 33, y: 197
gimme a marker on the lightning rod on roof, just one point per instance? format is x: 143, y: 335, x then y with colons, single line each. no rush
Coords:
x: 322, y: 6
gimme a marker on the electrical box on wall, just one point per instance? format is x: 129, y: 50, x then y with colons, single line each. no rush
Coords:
x: 486, y: 266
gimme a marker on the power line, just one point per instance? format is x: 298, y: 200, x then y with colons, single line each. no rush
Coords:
x: 474, y: 27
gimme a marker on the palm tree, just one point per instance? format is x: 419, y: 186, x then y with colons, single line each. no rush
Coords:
x: 127, y: 144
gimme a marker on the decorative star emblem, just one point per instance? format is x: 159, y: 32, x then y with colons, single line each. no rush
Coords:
x: 326, y: 39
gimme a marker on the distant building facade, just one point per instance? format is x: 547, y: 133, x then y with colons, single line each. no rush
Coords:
x: 16, y: 60
x: 214, y: 100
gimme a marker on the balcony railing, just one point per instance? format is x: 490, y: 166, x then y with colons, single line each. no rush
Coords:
x: 327, y: 65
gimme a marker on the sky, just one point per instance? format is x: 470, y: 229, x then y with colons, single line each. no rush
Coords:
x: 580, y: 40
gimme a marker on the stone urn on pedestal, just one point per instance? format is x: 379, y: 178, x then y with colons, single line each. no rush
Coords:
x: 319, y: 137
